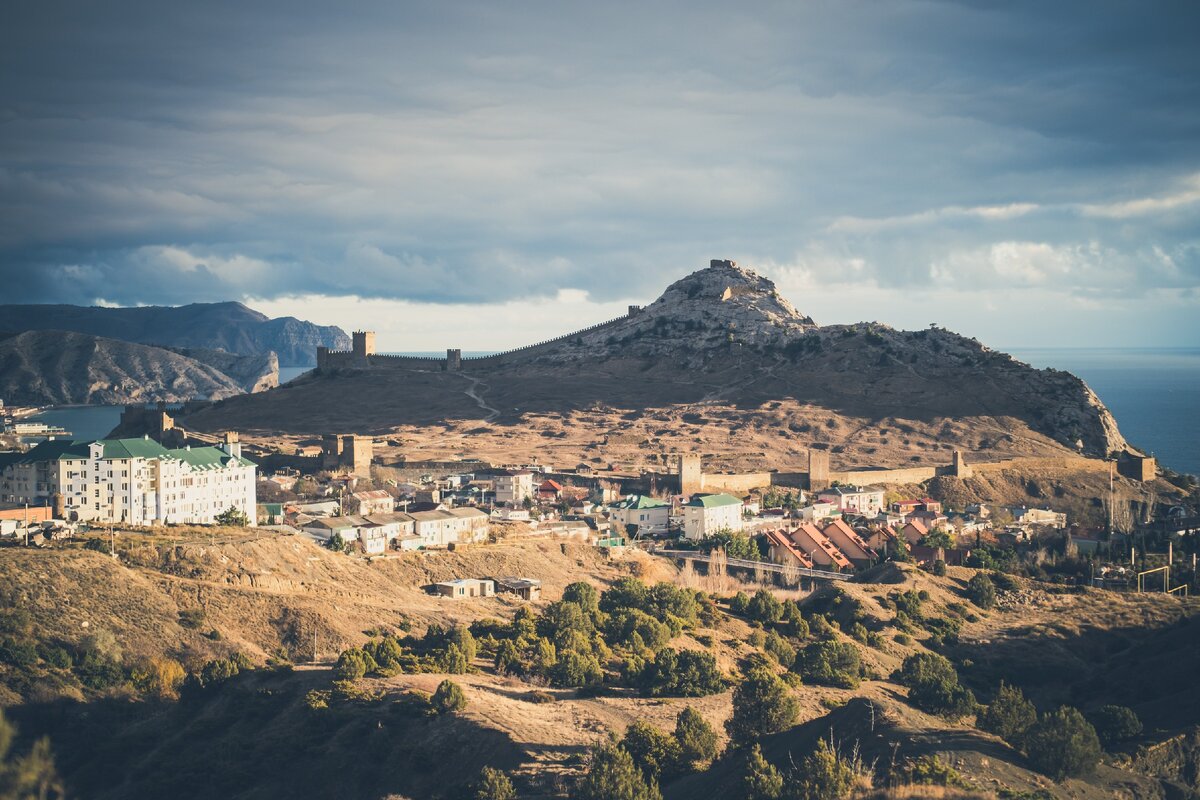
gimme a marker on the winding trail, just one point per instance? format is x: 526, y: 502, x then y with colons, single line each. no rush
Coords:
x: 475, y: 392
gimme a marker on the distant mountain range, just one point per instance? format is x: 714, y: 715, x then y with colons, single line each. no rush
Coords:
x: 214, y: 326
x: 68, y: 368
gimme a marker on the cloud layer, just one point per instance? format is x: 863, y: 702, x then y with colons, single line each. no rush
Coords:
x: 868, y: 156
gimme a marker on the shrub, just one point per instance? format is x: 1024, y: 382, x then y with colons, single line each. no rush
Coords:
x: 934, y: 687
x: 1063, y: 744
x: 764, y: 607
x: 492, y: 784
x: 191, y: 618
x: 454, y: 661
x: 234, y: 517
x: 689, y: 673
x: 823, y: 775
x: 655, y: 753
x: 761, y: 781
x: 762, y: 704
x: 576, y: 670
x: 582, y: 594
x: 508, y: 658
x: 1115, y: 724
x: 939, y: 568
x: 780, y: 648
x: 353, y: 664
x: 830, y: 664
x: 739, y: 603
x: 461, y: 637
x: 981, y: 591
x: 316, y: 699
x: 447, y: 698
x: 626, y: 592
x: 697, y: 739
x: 931, y: 771
x: 903, y: 638
x: 1009, y: 716
x: 613, y: 774
x: 622, y: 625
x: 159, y: 677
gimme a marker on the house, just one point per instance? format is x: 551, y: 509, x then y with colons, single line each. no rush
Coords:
x: 376, y: 501
x: 781, y: 550
x: 525, y: 588
x: 465, y: 587
x: 866, y: 501
x: 705, y: 514
x: 850, y: 543
x: 471, y: 524
x: 510, y: 514
x: 882, y: 539
x: 549, y: 490
x: 818, y: 511
x: 808, y: 539
x: 323, y: 528
x: 513, y: 486
x: 913, y: 531
x: 1038, y: 516
x: 929, y: 504
x: 904, y: 507
x: 398, y: 529
x: 642, y: 514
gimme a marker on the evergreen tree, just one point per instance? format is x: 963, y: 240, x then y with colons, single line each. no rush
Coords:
x: 492, y: 784
x: 697, y: 739
x: 656, y: 754
x: 761, y: 780
x: 823, y: 775
x: 1009, y: 716
x: 981, y: 591
x: 762, y: 705
x: 614, y: 776
x: 448, y: 698
x: 1063, y: 744
x: 1115, y: 724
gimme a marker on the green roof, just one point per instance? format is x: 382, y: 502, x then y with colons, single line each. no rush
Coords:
x: 713, y: 501
x: 132, y: 448
x: 634, y: 501
x: 205, y: 457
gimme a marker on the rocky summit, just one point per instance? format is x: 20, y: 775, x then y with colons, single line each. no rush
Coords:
x: 720, y: 363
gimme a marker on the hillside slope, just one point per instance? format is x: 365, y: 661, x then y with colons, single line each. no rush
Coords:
x: 720, y: 346
x: 215, y: 326
x: 66, y: 368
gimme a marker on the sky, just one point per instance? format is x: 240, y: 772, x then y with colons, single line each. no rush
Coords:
x: 481, y: 175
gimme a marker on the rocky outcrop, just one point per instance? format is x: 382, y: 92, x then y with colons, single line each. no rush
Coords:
x: 68, y: 368
x: 231, y: 327
x: 253, y: 373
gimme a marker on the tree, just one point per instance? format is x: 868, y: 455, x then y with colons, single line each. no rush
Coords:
x: 583, y: 594
x: 1063, y: 744
x: 575, y: 669
x: 761, y: 780
x: 448, y: 697
x: 762, y: 705
x: 739, y: 603
x: 655, y: 753
x: 933, y: 686
x: 461, y: 637
x: 626, y: 592
x: 823, y: 775
x: 1115, y: 724
x: 353, y: 664
x: 938, y: 537
x: 160, y: 677
x: 764, y: 607
x: 831, y: 663
x: 939, y: 568
x: 1009, y: 716
x: 614, y: 776
x: 690, y: 673
x: 234, y: 517
x: 697, y: 739
x: 336, y: 543
x: 492, y: 784
x: 508, y: 658
x: 981, y: 591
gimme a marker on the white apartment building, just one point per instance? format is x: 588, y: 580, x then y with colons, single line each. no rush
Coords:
x: 513, y: 486
x: 854, y: 499
x: 647, y: 513
x: 131, y: 481
x: 440, y: 528
x: 705, y: 514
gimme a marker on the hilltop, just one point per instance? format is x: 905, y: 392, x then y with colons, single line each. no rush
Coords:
x: 229, y: 326
x: 55, y: 367
x: 720, y: 363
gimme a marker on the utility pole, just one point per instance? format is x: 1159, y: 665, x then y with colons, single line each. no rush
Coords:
x: 112, y: 542
x: 27, y: 524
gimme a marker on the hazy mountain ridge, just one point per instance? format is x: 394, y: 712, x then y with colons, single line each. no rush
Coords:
x: 226, y: 326
x: 67, y: 368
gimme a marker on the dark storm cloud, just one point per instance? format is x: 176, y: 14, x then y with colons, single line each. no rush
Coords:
x: 168, y: 153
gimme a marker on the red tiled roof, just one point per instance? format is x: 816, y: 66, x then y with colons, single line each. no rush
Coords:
x: 780, y: 539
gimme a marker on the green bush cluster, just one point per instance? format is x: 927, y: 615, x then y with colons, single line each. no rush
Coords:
x: 824, y: 774
x: 762, y: 704
x: 933, y: 686
x: 830, y: 663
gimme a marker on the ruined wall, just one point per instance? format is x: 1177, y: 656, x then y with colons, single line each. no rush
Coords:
x: 734, y: 483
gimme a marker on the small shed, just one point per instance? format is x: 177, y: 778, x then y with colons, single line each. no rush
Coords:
x: 465, y: 587
x: 525, y: 588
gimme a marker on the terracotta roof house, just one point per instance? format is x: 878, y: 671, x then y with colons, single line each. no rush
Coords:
x: 782, y: 551
x: 809, y: 539
x: 913, y: 530
x: 850, y: 543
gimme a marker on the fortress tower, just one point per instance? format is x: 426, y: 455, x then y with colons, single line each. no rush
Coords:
x: 364, y: 344
x: 691, y: 478
x: 818, y: 470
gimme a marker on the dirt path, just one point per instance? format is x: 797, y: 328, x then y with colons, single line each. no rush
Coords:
x: 475, y: 393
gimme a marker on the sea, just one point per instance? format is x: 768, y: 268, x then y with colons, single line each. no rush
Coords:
x: 1153, y: 393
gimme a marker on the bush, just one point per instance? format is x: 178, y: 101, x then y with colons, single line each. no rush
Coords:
x: 656, y: 754
x: 931, y: 771
x: 690, y: 673
x: 582, y: 594
x: 492, y: 784
x: 612, y: 775
x: 939, y: 568
x: 764, y: 607
x: 191, y: 618
x: 934, y: 687
x: 626, y: 592
x: 762, y: 704
x: 823, y: 775
x: 159, y: 677
x: 739, y: 604
x: 1009, y: 716
x: 622, y: 625
x: 576, y: 670
x: 830, y: 664
x: 353, y: 664
x: 447, y: 698
x: 233, y: 517
x: 1116, y: 724
x: 780, y: 648
x: 981, y: 591
x: 1063, y: 744
x: 697, y: 739
x: 761, y: 781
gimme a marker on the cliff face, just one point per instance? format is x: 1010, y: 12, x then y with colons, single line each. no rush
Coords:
x: 723, y: 339
x: 214, y: 326
x: 64, y: 367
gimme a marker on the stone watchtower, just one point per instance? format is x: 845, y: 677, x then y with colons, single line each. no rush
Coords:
x: 691, y: 476
x: 818, y: 470
x: 364, y: 344
x: 357, y: 452
x: 453, y: 360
